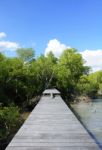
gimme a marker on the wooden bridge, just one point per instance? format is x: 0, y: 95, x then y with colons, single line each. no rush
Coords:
x: 52, y: 126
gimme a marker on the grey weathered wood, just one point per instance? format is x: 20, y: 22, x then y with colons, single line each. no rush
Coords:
x: 52, y: 126
x: 51, y: 91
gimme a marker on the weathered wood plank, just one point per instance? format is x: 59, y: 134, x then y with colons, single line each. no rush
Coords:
x: 54, y: 148
x: 61, y: 144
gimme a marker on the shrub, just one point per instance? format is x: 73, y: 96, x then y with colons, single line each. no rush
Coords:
x: 10, y: 121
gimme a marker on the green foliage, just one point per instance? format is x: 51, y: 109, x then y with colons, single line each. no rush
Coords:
x: 90, y: 85
x: 87, y: 87
x: 11, y: 71
x: 20, y: 80
x: 9, y: 120
x: 45, y: 71
x: 25, y: 53
x: 96, y: 79
x: 69, y: 70
x: 73, y: 61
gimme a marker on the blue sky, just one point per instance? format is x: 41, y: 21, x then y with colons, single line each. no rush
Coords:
x: 34, y: 23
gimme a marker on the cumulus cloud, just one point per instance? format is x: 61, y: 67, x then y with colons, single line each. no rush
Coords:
x: 2, y: 35
x: 7, y: 45
x: 93, y: 58
x: 56, y: 47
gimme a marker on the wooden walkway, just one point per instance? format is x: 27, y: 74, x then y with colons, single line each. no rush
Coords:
x: 52, y: 126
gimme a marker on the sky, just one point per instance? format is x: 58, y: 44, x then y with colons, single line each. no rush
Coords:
x: 55, y: 25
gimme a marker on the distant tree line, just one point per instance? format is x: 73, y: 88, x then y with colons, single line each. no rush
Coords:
x: 25, y: 76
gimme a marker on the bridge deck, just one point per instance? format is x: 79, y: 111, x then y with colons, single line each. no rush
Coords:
x: 52, y: 126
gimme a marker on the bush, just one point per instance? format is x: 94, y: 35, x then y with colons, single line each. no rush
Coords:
x: 10, y: 121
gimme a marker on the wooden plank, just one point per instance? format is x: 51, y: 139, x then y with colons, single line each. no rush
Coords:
x: 60, y: 144
x: 53, y: 148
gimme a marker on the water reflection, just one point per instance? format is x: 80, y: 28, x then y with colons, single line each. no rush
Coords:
x: 91, y: 116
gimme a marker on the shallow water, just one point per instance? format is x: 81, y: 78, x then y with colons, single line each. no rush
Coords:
x: 91, y: 116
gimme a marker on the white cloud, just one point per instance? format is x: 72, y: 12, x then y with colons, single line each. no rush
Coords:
x: 7, y: 45
x: 56, y: 47
x: 93, y: 58
x: 2, y: 35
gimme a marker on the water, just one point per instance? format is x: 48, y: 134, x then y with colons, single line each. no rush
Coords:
x: 91, y: 116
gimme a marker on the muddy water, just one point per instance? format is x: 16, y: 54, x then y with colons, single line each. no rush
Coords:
x: 91, y: 116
